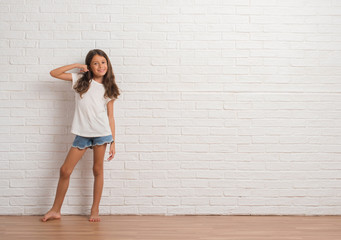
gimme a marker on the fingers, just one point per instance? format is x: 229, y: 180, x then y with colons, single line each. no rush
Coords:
x: 111, y: 156
x: 111, y: 152
x: 84, y: 68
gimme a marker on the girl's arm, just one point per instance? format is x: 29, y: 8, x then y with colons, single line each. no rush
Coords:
x: 60, y: 72
x: 110, y: 107
x: 110, y: 113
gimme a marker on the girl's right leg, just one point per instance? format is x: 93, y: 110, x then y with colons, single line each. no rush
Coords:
x: 74, y: 155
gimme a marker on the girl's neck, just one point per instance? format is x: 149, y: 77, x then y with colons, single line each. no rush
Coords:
x: 98, y: 79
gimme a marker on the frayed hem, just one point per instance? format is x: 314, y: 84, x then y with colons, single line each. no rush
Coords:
x: 91, y: 146
x: 81, y: 148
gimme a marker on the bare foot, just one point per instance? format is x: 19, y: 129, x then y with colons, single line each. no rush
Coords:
x: 94, y: 217
x: 51, y: 215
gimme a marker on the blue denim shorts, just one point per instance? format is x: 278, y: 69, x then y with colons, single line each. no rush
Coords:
x: 84, y: 142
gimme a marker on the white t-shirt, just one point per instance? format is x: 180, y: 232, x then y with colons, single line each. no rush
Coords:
x: 90, y: 118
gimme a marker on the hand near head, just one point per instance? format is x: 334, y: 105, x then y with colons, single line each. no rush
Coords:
x: 83, y: 68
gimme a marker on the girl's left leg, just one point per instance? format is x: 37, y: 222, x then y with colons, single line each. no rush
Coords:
x: 99, y: 152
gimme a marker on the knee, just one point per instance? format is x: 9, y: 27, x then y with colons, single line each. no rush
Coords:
x: 64, y: 172
x: 98, y: 171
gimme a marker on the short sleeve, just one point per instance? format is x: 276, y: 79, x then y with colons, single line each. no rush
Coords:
x: 107, y: 100
x: 75, y: 77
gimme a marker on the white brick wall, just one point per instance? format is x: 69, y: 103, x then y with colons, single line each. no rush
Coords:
x: 227, y: 107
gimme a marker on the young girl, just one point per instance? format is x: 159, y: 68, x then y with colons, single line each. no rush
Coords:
x: 93, y: 123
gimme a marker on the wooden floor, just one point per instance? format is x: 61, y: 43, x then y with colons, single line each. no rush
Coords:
x: 173, y: 227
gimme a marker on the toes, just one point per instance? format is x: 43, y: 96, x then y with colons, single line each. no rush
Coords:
x: 94, y: 219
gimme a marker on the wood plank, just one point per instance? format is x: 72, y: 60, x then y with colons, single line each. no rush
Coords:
x: 173, y: 227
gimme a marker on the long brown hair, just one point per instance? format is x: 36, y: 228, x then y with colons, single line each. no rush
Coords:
x: 111, y: 88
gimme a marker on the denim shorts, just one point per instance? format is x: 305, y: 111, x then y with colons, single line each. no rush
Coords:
x: 84, y: 142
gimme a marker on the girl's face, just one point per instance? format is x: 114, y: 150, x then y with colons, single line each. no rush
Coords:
x: 99, y: 66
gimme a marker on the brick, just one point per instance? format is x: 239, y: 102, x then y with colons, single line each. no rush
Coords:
x: 227, y: 107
